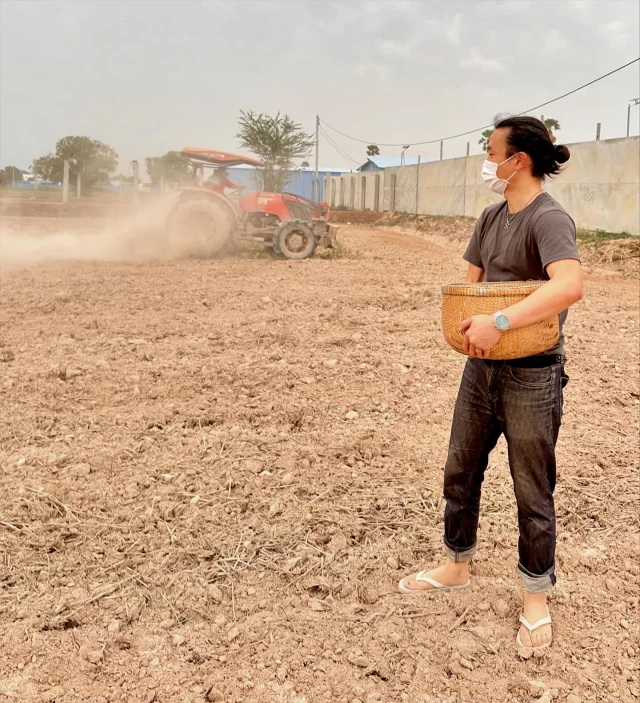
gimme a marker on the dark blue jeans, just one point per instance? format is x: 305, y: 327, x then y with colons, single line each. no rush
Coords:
x: 525, y: 404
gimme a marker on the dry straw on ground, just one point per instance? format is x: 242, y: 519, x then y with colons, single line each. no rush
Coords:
x: 213, y: 474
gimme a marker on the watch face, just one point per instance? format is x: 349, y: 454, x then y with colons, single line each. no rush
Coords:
x: 502, y: 322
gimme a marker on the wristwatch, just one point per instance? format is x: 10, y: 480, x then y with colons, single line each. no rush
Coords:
x: 501, y: 321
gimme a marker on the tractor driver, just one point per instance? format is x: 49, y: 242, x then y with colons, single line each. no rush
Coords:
x: 219, y: 180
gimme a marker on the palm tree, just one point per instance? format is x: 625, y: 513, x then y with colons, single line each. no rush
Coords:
x: 373, y: 150
x: 484, y: 140
x: 552, y: 124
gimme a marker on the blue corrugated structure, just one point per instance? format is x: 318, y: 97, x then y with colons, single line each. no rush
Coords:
x: 30, y: 185
x: 301, y: 182
x: 378, y: 163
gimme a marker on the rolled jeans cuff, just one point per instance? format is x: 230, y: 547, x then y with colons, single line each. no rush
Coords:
x: 538, y: 583
x: 459, y: 556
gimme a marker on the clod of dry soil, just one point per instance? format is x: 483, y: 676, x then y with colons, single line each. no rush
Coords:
x: 213, y: 475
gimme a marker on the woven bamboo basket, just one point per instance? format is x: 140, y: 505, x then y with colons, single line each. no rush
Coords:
x: 463, y: 300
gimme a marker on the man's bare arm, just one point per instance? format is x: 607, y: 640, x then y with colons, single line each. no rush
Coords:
x: 474, y: 274
x: 563, y: 290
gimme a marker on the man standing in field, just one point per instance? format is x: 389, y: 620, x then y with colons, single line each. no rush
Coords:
x: 528, y: 236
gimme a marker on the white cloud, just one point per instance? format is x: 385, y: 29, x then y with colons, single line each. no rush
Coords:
x: 496, y: 8
x: 372, y: 70
x: 554, y: 41
x: 581, y: 5
x: 66, y: 15
x: 22, y: 8
x: 485, y: 64
x: 218, y: 5
x: 515, y: 5
x: 404, y: 50
x: 616, y: 33
x: 388, y: 47
x: 453, y: 31
x: 365, y: 16
x: 339, y: 20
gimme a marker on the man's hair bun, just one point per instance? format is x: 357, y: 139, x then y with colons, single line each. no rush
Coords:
x: 562, y: 153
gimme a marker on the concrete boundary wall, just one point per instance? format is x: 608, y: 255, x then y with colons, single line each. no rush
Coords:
x: 599, y: 187
x: 358, y: 191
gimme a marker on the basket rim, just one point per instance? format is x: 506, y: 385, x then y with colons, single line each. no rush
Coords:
x: 492, y: 288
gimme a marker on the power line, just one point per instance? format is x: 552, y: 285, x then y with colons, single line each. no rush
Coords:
x: 338, y: 149
x: 488, y: 126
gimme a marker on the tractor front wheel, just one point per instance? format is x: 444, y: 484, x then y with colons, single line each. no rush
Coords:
x: 199, y: 228
x: 294, y: 239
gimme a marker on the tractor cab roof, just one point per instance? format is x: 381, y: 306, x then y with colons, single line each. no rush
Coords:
x: 211, y: 157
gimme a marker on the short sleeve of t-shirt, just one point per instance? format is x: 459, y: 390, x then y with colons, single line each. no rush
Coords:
x: 472, y: 254
x: 555, y: 234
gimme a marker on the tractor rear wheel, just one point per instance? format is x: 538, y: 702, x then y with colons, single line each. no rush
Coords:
x: 294, y: 239
x: 199, y: 228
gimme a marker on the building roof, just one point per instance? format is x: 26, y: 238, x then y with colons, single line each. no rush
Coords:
x: 328, y: 169
x: 321, y: 169
x: 217, y: 158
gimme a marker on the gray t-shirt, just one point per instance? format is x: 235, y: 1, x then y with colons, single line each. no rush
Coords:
x: 537, y: 236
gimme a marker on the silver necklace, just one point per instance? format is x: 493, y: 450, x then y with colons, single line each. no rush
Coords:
x: 515, y: 214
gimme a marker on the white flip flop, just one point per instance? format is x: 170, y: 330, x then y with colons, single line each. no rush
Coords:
x: 543, y: 621
x: 437, y: 587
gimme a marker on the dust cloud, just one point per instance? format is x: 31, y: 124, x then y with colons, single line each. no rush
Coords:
x: 27, y: 241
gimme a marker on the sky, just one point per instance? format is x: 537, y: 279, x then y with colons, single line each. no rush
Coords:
x: 149, y: 76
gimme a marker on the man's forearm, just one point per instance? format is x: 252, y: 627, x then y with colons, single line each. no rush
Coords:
x: 551, y: 299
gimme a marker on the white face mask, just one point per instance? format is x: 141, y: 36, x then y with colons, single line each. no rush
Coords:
x: 489, y: 176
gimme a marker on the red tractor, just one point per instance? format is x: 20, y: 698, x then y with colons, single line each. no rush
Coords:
x: 205, y: 221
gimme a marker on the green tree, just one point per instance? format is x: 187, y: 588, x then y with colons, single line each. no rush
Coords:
x: 11, y: 174
x: 91, y: 159
x: 278, y: 142
x: 373, y: 150
x: 173, y: 167
x: 552, y: 125
x: 304, y: 164
x: 484, y: 139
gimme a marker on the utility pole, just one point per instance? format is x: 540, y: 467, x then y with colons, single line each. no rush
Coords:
x: 632, y: 103
x: 65, y: 182
x: 317, y: 177
x: 136, y: 180
x: 598, y: 132
x: 417, y: 184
